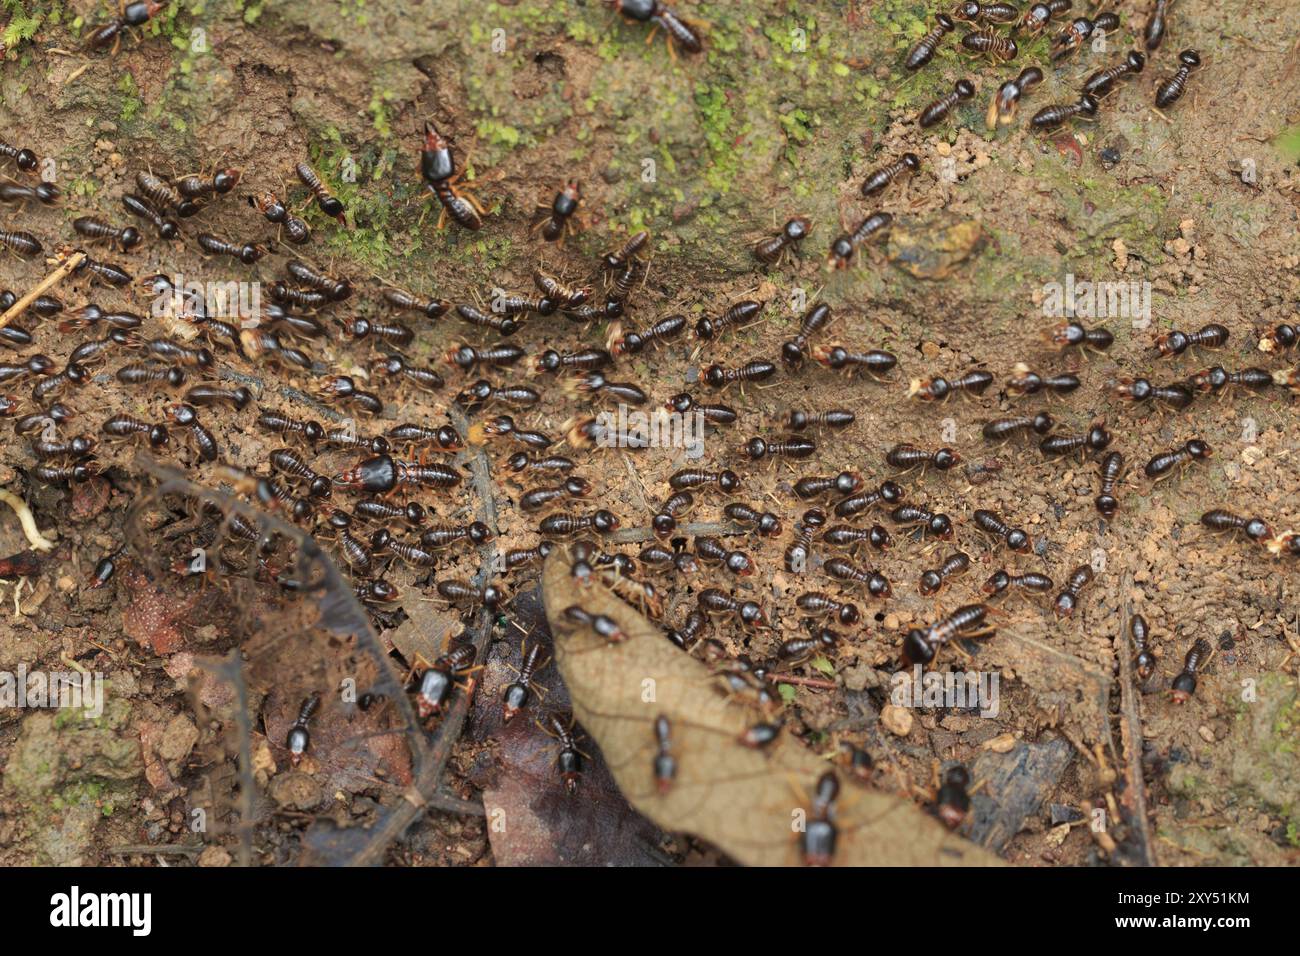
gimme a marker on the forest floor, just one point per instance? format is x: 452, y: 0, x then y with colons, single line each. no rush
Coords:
x: 784, y: 113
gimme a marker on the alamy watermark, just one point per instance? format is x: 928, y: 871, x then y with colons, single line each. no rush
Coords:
x: 216, y: 300
x: 633, y: 428
x: 953, y: 690
x: 53, y: 690
x: 1097, y: 300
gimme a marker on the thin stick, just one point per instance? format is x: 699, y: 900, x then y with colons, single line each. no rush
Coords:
x: 53, y: 279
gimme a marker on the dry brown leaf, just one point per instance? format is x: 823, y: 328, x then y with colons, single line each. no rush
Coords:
x: 746, y: 802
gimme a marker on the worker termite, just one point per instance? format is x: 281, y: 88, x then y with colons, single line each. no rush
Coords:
x: 921, y: 644
x: 1003, y: 582
x: 664, y: 767
x: 1068, y: 599
x: 838, y: 358
x: 247, y: 253
x: 844, y: 246
x: 376, y: 509
x: 843, y: 570
x: 922, y: 52
x: 817, y: 486
x: 935, y: 523
x: 595, y: 383
x: 888, y: 492
x: 79, y: 447
x: 1006, y: 101
x: 518, y: 694
x: 1050, y: 117
x: 1103, y: 81
x: 468, y: 358
x: 443, y: 438
x: 833, y: 418
x: 764, y: 522
x: 275, y: 211
x: 661, y: 15
x: 1071, y: 39
x: 64, y: 473
x: 952, y: 802
x: 1040, y: 14
x: 32, y: 365
x: 1004, y: 428
x: 1174, y: 342
x: 329, y: 204
x: 1176, y: 395
x: 553, y: 361
x: 536, y: 499
x: 1172, y: 89
x: 71, y: 374
x: 798, y: 650
x: 1162, y: 464
x: 299, y: 739
x: 1095, y: 439
x: 714, y: 414
x: 712, y: 551
x: 719, y: 376
x: 566, y: 524
x: 165, y: 350
x: 407, y: 302
x: 937, y: 111
x: 463, y: 593
x: 657, y: 557
x: 500, y: 324
x: 336, y: 288
x: 1280, y: 338
x: 1024, y: 381
x: 141, y: 373
x: 1141, y: 636
x: 343, y: 388
x: 847, y: 536
x: 1112, y: 466
x: 126, y: 237
x: 1218, y: 519
x: 612, y: 261
x: 726, y: 480
x: 523, y: 462
x: 907, y: 457
x: 997, y: 46
x: 284, y: 426
x: 393, y: 333
x: 504, y: 425
x: 187, y: 418
x: 816, y: 318
x: 289, y: 462
x: 237, y: 398
x: 218, y: 183
x: 771, y: 250
x: 690, y: 630
x: 517, y: 558
x: 443, y: 536
x: 43, y: 305
x: 748, y: 614
x: 1015, y: 538
x: 938, y: 388
x: 633, y: 342
x: 436, y: 682
x: 794, y: 447
x: 881, y: 177
x: 394, y: 366
x: 736, y: 314
x: 972, y: 11
x: 799, y: 551
x: 1184, y: 685
x: 664, y: 522
x: 22, y: 244
x: 287, y: 295
x: 1218, y: 378
x: 934, y: 580
x: 819, y: 836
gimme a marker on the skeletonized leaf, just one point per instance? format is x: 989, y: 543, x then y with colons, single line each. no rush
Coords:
x: 749, y: 803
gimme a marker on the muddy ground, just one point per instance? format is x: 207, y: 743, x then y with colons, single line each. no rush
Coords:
x: 784, y: 113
